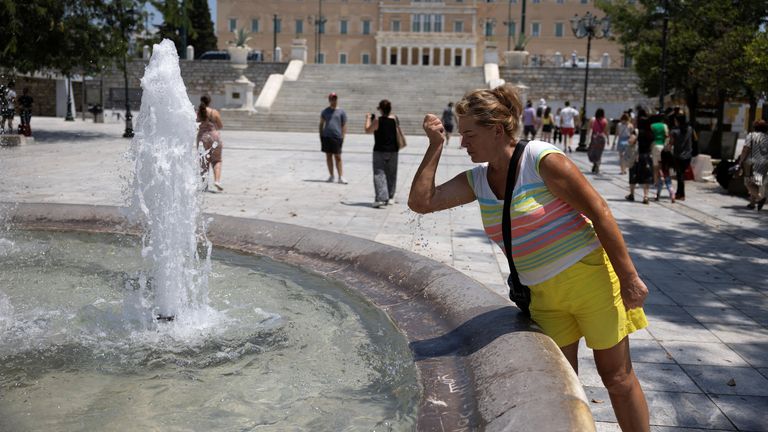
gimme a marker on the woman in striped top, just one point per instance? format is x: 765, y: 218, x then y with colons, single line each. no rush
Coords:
x: 565, y: 241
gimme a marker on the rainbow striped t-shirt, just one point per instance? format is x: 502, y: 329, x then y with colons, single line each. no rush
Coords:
x: 548, y: 235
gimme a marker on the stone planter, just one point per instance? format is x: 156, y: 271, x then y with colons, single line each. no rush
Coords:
x: 238, y: 55
x: 516, y: 59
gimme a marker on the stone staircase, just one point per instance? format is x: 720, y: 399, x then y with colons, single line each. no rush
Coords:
x: 413, y: 91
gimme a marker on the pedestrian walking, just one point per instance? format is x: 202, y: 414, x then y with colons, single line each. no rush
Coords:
x: 333, y: 129
x: 641, y: 171
x: 557, y: 136
x: 682, y: 137
x: 529, y: 121
x: 449, y: 120
x: 25, y: 115
x: 547, y: 125
x: 598, y: 128
x: 754, y: 161
x: 7, y: 107
x: 660, y: 132
x: 384, y: 129
x: 568, y: 119
x: 621, y: 140
x: 209, y: 137
x: 565, y: 243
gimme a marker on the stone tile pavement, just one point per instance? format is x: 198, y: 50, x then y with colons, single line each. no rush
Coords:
x: 703, y: 361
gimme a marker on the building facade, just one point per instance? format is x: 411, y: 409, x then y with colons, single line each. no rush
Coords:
x: 415, y: 32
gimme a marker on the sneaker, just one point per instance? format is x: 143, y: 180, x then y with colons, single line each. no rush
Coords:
x: 629, y: 197
x: 330, y: 179
x: 645, y: 200
x: 379, y: 204
x: 218, y: 186
x: 342, y: 180
x: 390, y: 201
x: 760, y: 204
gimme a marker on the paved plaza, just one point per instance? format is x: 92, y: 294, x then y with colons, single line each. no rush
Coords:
x: 703, y: 361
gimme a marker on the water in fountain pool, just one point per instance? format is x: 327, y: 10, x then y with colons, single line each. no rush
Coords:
x: 291, y: 350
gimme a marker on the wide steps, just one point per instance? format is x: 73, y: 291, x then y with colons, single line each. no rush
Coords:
x: 413, y: 91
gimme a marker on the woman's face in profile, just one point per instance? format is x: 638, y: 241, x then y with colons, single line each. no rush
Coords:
x: 476, y: 138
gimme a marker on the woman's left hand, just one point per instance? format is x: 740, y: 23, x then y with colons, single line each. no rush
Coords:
x: 633, y: 292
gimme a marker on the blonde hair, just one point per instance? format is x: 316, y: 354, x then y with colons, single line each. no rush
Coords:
x: 491, y: 107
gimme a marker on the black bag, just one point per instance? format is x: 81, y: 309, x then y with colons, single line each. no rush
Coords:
x: 520, y: 294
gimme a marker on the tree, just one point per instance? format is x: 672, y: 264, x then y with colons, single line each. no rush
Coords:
x: 204, y: 38
x: 68, y: 36
x: 706, y: 45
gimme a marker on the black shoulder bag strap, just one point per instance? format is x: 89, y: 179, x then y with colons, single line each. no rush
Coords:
x: 519, y: 293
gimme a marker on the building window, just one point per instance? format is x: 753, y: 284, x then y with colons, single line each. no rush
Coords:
x: 584, y: 1
x: 342, y: 58
x: 458, y: 26
x: 233, y: 24
x: 488, y: 28
x: 438, y: 23
x: 343, y: 26
x: 395, y: 25
x: 366, y: 58
x: 559, y: 29
x: 321, y: 27
x: 416, y: 23
x: 321, y: 58
x: 536, y: 1
x: 255, y: 25
x: 535, y: 29
x: 278, y: 23
x: 299, y: 26
x: 560, y: 1
x: 366, y: 27
x: 427, y: 23
x: 511, y: 28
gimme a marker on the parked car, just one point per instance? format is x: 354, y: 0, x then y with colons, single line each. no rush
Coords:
x: 214, y: 55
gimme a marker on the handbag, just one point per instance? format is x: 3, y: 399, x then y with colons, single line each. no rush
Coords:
x: 520, y: 294
x: 401, y: 143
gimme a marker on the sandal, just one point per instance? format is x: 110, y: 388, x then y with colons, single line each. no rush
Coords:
x: 645, y: 200
x: 629, y: 197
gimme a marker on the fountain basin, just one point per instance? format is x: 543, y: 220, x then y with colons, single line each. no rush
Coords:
x: 480, y: 365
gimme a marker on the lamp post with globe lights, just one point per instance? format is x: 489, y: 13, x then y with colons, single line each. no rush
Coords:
x: 588, y: 26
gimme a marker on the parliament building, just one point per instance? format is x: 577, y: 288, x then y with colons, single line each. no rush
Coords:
x: 416, y: 32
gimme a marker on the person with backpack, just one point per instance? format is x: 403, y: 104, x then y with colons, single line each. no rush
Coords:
x: 564, y: 243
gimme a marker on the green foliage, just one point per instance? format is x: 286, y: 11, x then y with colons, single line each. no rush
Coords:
x: 241, y: 38
x: 176, y: 15
x: 68, y: 36
x: 706, y: 42
x: 204, y: 38
x: 757, y: 62
x: 521, y: 41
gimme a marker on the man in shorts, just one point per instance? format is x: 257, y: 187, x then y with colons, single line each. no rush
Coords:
x: 529, y: 121
x: 568, y: 118
x: 449, y: 120
x: 333, y: 128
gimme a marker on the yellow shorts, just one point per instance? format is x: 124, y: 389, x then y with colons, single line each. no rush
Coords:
x: 585, y: 300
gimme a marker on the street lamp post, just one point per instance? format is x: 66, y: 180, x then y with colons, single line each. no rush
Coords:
x: 128, y: 116
x: 588, y: 26
x: 274, y: 38
x: 319, y: 22
x: 665, y: 26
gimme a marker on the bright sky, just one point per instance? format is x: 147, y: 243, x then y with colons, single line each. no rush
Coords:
x: 159, y: 18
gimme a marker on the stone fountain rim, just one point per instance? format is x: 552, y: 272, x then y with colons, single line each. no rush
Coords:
x: 481, y: 366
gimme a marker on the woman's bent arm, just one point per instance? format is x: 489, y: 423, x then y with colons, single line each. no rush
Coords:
x: 424, y: 196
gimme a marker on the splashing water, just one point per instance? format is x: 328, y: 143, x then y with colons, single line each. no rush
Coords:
x: 165, y: 193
